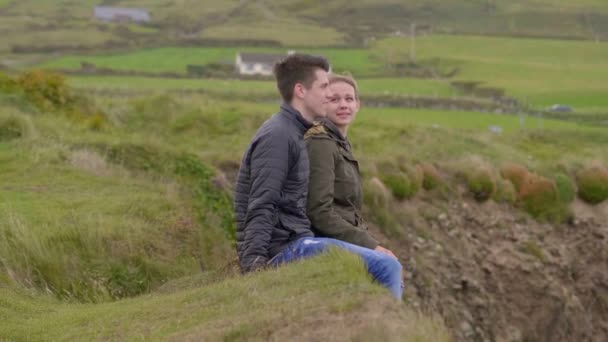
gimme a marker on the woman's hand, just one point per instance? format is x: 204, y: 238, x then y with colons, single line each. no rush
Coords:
x: 385, y: 251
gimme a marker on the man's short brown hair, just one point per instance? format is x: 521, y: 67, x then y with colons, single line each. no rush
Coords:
x: 336, y: 78
x: 297, y: 68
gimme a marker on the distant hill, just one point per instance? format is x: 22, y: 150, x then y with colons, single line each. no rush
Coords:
x: 66, y: 24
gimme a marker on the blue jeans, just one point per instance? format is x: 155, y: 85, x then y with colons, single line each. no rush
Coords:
x: 384, y: 269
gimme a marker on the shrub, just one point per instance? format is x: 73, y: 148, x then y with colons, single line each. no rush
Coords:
x: 505, y: 192
x: 13, y: 126
x: 540, y: 198
x: 566, y: 188
x: 515, y: 173
x: 375, y: 194
x: 399, y: 184
x: 403, y: 182
x: 481, y: 183
x: 47, y: 90
x: 593, y: 183
x: 7, y: 84
x: 431, y: 177
x: 377, y: 200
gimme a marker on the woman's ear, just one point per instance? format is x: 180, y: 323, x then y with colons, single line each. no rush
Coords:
x: 358, y: 104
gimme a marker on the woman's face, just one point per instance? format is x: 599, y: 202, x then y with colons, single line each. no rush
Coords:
x: 343, y: 104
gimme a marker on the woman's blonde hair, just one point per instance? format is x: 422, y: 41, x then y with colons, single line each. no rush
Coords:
x: 348, y: 79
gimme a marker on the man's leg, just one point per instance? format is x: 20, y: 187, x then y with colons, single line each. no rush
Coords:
x: 383, y: 268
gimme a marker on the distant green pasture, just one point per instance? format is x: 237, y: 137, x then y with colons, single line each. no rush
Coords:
x: 380, y: 86
x: 538, y: 71
x: 175, y: 59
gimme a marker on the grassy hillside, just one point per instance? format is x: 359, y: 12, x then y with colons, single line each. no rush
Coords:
x: 297, y: 23
x: 540, y: 72
x: 310, y: 300
x: 116, y: 219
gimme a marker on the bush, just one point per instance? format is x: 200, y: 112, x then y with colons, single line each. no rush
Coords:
x: 375, y: 194
x: 515, y: 173
x: 540, y: 198
x: 7, y: 84
x: 505, y: 192
x: 593, y: 183
x: 403, y: 181
x: 399, y: 184
x: 566, y: 188
x: 377, y: 200
x: 13, y: 126
x: 431, y: 177
x: 47, y: 90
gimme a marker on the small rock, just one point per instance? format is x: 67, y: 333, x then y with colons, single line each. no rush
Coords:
x: 479, y: 302
x: 466, y: 329
x: 443, y: 216
x: 421, y: 240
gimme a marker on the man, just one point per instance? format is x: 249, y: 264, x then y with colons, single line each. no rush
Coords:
x: 272, y: 186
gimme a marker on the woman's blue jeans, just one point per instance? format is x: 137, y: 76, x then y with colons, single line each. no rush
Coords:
x: 383, y: 268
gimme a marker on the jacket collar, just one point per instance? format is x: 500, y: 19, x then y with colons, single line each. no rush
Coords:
x: 335, y: 134
x: 295, y: 116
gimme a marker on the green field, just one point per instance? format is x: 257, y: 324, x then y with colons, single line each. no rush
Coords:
x: 357, y: 61
x: 536, y: 72
x: 252, y: 88
x: 541, y: 72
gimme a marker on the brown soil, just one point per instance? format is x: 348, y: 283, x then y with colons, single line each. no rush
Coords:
x: 495, y: 274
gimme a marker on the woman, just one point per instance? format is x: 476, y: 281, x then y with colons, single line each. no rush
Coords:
x: 335, y: 191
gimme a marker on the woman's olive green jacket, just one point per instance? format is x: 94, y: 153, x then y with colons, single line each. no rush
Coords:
x: 335, y: 189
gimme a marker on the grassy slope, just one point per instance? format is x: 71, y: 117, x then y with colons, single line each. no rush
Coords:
x: 76, y: 226
x: 309, y: 299
x: 541, y: 72
x: 298, y: 23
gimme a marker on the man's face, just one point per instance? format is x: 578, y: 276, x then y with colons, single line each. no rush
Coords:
x: 317, y: 96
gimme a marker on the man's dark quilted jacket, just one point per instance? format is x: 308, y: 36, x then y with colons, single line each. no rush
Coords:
x: 271, y: 189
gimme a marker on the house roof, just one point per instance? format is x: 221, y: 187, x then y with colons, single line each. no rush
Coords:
x: 261, y: 58
x: 105, y: 12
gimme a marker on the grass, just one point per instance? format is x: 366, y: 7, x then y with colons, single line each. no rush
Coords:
x: 252, y: 88
x: 507, y: 63
x: 288, y: 32
x: 92, y: 219
x: 175, y: 59
x: 100, y: 215
x: 307, y: 299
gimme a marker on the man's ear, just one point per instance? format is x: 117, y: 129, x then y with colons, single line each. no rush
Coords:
x: 299, y: 90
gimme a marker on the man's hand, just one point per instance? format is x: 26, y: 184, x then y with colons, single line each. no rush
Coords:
x: 385, y: 251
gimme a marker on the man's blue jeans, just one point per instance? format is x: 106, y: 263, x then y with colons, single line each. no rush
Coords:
x: 383, y: 268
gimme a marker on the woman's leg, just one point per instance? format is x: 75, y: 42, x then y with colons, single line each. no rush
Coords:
x: 383, y: 268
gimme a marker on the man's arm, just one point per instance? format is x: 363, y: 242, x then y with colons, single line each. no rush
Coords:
x: 320, y: 208
x: 269, y: 167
